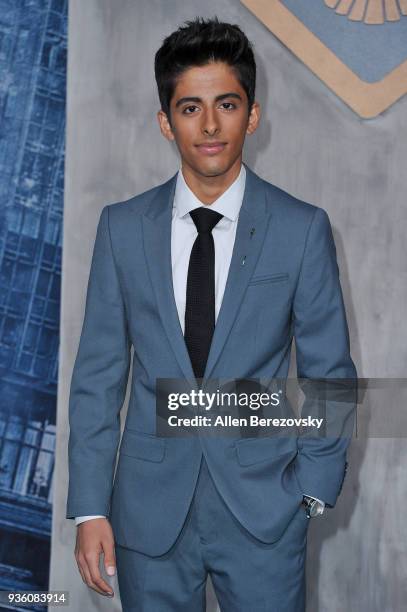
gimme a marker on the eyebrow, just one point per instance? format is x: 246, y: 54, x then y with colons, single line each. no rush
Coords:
x: 217, y: 99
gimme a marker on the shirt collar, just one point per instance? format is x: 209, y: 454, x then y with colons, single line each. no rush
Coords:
x: 228, y: 204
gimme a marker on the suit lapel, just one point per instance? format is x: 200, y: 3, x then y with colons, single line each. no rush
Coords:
x: 247, y: 247
x: 250, y: 233
x: 157, y: 247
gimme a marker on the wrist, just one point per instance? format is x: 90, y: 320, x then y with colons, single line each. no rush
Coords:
x: 314, y: 507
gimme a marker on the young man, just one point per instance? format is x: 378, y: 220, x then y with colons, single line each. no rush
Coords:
x: 214, y: 244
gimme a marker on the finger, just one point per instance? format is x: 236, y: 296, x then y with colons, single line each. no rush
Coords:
x: 76, y: 555
x: 81, y: 571
x: 88, y: 578
x: 109, y: 557
x: 93, y: 565
x: 79, y: 560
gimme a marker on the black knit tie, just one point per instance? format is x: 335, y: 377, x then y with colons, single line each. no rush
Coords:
x: 200, y: 299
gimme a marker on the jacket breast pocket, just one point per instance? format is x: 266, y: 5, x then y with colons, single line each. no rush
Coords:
x: 142, y: 446
x: 260, y: 279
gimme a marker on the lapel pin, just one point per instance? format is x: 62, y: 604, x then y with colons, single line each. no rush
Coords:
x: 243, y: 260
x: 252, y: 232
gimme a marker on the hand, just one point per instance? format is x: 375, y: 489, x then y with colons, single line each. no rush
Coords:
x: 92, y: 538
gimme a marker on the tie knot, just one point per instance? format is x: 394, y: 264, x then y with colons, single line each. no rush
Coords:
x: 205, y: 219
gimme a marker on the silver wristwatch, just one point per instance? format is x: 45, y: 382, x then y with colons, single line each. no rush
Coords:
x: 313, y: 506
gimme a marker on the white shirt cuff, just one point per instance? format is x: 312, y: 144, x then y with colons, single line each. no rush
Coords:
x: 82, y: 519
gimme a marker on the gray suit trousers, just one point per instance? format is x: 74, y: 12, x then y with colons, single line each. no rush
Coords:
x: 247, y: 574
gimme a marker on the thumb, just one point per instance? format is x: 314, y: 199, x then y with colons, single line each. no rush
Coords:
x: 109, y: 559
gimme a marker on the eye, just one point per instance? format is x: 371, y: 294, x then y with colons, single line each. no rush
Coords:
x: 187, y: 108
x: 229, y: 105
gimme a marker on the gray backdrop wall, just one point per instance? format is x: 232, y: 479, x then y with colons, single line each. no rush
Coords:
x: 311, y: 144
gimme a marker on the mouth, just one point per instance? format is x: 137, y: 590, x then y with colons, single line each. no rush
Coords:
x: 211, y: 148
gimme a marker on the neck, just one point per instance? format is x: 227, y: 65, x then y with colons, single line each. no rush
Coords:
x: 209, y: 188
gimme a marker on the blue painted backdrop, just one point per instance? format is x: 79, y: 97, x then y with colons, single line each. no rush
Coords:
x: 33, y: 43
x: 371, y: 51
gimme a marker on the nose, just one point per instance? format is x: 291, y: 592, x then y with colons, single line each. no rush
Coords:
x: 210, y: 125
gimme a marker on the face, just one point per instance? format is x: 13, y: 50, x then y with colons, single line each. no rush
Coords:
x: 209, y: 119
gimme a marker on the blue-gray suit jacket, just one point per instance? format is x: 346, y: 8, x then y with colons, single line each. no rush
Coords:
x: 289, y: 286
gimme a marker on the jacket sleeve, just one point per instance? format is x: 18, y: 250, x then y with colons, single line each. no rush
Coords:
x: 323, y: 360
x: 98, y: 384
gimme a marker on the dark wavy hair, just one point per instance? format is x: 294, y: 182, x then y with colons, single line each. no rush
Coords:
x: 200, y: 42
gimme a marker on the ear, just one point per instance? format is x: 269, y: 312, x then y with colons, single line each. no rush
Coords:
x: 254, y: 118
x: 165, y: 126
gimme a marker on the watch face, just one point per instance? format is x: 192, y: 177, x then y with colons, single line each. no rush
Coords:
x: 315, y: 508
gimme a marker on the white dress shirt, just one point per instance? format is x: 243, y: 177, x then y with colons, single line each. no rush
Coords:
x: 183, y: 235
